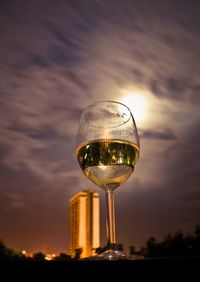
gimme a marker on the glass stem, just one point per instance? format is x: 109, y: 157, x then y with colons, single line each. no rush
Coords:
x: 110, y: 220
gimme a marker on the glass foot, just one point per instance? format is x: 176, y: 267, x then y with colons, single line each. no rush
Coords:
x: 114, y: 255
x: 110, y: 255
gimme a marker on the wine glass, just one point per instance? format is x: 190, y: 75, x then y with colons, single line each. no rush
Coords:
x: 107, y: 149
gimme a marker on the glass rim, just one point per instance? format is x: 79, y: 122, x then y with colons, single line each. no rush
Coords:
x: 108, y: 101
x: 113, y: 102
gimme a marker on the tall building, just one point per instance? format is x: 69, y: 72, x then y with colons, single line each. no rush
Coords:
x: 84, y: 223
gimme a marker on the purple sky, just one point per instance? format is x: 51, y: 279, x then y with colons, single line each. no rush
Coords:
x: 56, y: 57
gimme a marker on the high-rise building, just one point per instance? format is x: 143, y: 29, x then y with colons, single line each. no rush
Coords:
x: 84, y: 223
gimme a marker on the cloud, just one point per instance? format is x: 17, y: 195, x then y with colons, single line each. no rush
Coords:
x: 176, y: 89
x: 163, y: 135
x: 192, y: 197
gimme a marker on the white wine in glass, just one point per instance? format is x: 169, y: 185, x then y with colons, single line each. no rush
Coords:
x: 107, y: 151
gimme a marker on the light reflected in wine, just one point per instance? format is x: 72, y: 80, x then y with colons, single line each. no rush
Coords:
x: 108, y: 162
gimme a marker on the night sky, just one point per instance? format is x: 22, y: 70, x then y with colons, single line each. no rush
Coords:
x: 56, y: 57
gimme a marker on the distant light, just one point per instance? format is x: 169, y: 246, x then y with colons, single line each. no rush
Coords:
x: 50, y: 256
x: 24, y: 252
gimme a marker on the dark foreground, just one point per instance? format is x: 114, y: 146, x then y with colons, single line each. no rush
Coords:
x: 156, y: 269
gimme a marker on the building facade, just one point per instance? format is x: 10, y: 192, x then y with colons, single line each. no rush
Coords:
x: 84, y: 223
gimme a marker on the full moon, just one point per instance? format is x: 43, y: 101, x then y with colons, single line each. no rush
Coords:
x: 136, y: 103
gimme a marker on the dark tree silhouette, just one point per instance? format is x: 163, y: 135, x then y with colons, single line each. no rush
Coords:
x: 98, y: 250
x: 78, y: 253
x: 174, y: 245
x: 131, y: 250
x: 3, y: 251
x: 64, y: 257
x: 196, y: 243
x: 39, y: 256
x: 7, y: 253
x: 120, y: 247
x: 152, y: 247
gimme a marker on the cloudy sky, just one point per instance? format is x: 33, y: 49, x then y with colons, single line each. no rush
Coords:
x: 58, y: 57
